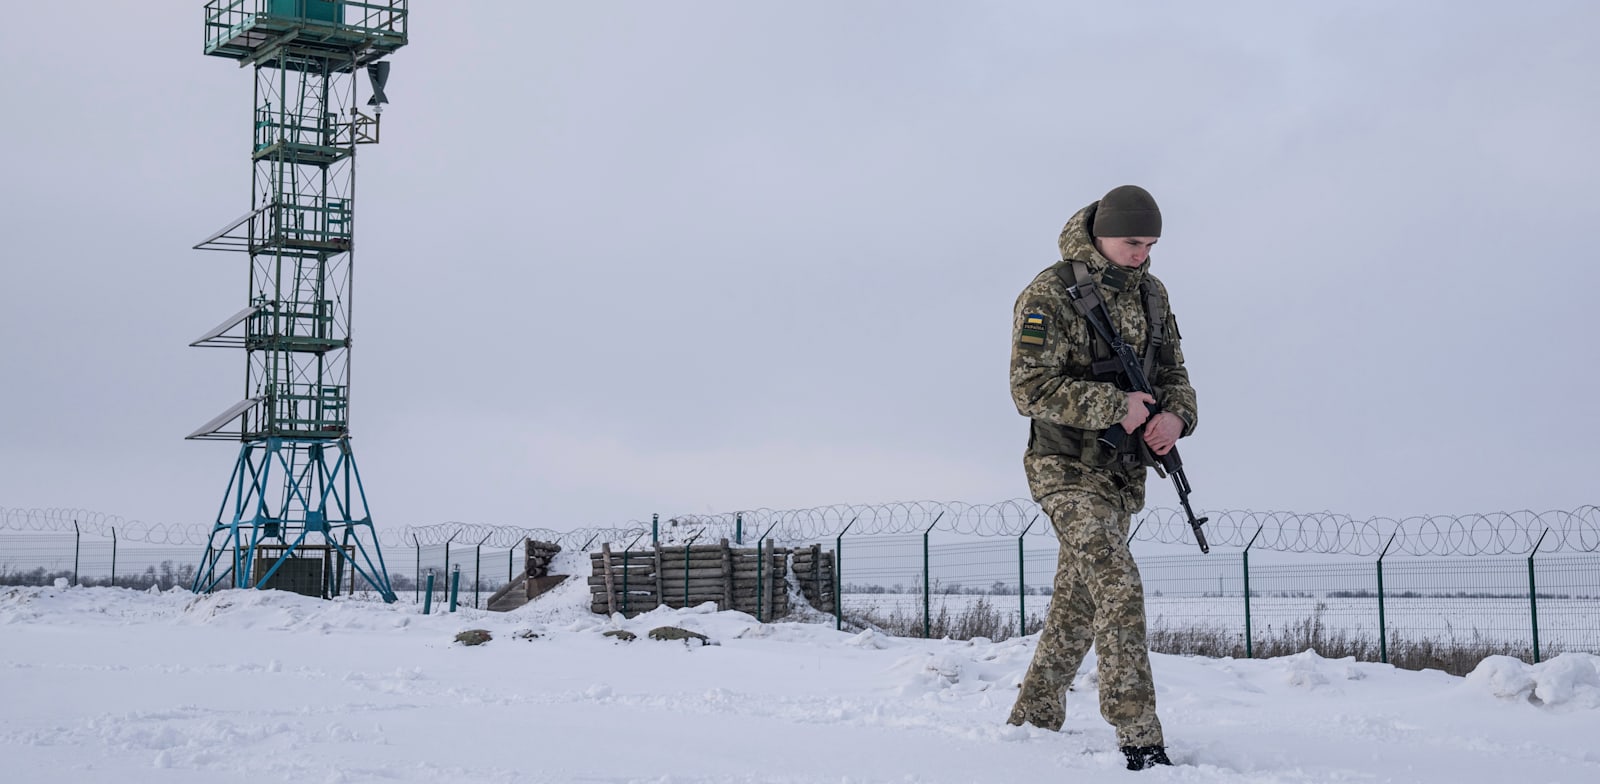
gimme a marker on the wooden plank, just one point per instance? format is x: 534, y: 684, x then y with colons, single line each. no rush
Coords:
x: 636, y: 582
x: 715, y: 549
x: 633, y: 609
x: 611, y: 588
x: 670, y: 574
x: 633, y: 572
x: 633, y: 560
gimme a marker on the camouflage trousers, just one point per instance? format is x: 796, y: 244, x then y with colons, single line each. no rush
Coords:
x: 1098, y: 599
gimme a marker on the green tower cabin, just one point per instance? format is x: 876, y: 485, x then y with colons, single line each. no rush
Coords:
x: 294, y: 515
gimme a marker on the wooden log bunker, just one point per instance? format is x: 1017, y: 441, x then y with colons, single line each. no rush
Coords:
x: 753, y: 580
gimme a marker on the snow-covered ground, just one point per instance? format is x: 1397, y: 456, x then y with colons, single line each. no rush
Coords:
x: 109, y: 685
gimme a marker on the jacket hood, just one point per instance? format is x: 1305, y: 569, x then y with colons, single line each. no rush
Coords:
x: 1077, y: 245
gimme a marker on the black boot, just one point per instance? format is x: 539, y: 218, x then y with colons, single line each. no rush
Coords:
x: 1141, y: 757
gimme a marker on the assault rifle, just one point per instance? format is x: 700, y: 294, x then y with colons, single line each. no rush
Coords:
x: 1094, y: 311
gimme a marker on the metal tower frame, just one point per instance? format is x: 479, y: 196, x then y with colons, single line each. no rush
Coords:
x: 294, y: 514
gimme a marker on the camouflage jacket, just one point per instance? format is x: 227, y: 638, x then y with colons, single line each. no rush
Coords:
x: 1053, y: 384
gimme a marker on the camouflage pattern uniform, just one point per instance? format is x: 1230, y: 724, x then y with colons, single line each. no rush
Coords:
x: 1089, y: 493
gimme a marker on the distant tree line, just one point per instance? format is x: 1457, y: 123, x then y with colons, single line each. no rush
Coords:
x: 164, y: 576
x: 1364, y: 594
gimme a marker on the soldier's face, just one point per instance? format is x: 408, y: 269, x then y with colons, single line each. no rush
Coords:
x: 1125, y: 251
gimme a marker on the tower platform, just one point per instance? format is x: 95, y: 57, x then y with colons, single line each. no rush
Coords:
x: 250, y: 30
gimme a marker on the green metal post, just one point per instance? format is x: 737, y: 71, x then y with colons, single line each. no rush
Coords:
x: 1135, y: 531
x: 686, y: 568
x: 447, y: 552
x: 655, y: 530
x: 1383, y: 626
x: 77, y: 537
x: 1022, y: 583
x: 625, y: 553
x: 417, y: 583
x: 761, y: 584
x: 477, y: 571
x: 427, y: 596
x: 113, y: 556
x: 838, y: 576
x: 455, y: 586
x: 1533, y: 596
x: 1249, y: 644
x: 927, y: 588
x: 738, y: 528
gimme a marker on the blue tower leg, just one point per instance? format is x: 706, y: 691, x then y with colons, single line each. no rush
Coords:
x: 287, y: 500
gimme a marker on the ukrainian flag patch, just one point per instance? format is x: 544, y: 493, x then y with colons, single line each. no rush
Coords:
x: 1033, y: 330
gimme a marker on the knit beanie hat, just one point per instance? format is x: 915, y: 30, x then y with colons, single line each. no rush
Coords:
x: 1127, y: 211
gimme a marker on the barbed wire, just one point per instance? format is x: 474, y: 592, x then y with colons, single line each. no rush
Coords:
x: 506, y: 535
x: 58, y: 520
x: 1496, y: 533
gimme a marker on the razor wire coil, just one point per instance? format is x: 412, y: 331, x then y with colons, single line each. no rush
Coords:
x: 1495, y: 533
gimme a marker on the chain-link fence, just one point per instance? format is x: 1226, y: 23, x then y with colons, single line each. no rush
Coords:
x: 1424, y: 591
x: 1412, y: 610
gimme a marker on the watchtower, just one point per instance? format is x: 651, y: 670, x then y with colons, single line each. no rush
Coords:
x: 294, y: 514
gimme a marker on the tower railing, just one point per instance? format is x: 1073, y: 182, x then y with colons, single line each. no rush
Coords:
x: 307, y: 410
x: 238, y: 28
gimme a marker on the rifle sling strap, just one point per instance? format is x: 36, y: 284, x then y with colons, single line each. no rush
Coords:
x: 1092, y: 307
x: 1089, y: 300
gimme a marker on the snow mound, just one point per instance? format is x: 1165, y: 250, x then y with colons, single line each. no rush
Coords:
x: 1570, y: 680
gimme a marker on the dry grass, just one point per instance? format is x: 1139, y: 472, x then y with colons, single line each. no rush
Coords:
x: 980, y: 619
x: 1455, y: 654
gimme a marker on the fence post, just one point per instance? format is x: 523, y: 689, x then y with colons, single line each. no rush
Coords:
x: 655, y: 530
x: 686, y: 547
x: 1022, y: 583
x: 1249, y: 645
x: 477, y: 572
x: 455, y: 586
x: 626, y: 552
x: 738, y: 528
x: 1533, y: 596
x: 1383, y: 626
x: 427, y: 597
x: 927, y: 587
x: 761, y: 585
x: 838, y: 576
x: 77, y: 536
x: 447, y: 551
x: 416, y: 584
x: 113, y: 556
x: 727, y: 600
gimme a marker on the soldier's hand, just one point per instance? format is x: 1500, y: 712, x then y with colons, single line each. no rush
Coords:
x: 1162, y: 431
x: 1138, y: 410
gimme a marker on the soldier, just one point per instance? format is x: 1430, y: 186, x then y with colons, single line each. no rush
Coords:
x: 1062, y: 381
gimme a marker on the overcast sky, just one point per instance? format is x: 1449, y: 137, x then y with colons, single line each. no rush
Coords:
x: 624, y: 258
